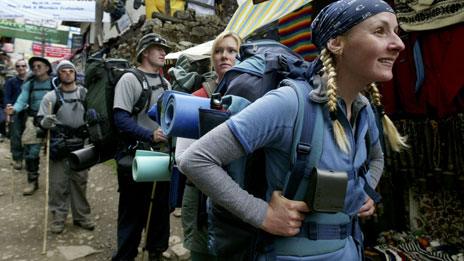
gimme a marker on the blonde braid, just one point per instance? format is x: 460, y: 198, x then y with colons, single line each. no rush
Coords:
x: 339, y: 132
x: 395, y: 140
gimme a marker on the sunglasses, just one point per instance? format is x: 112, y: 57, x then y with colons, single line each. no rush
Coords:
x: 38, y: 66
x: 19, y: 66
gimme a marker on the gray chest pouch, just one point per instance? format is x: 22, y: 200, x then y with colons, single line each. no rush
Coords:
x: 327, y: 190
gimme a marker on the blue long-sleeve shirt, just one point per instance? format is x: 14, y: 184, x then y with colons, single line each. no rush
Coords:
x: 34, y: 98
x: 12, y: 90
x: 126, y: 123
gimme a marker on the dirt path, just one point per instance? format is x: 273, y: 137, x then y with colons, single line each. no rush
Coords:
x: 22, y: 219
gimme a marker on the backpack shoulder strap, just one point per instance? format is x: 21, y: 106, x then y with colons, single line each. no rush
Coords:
x: 145, y: 95
x: 31, y: 89
x: 209, y: 87
x: 59, y: 100
x: 307, y: 140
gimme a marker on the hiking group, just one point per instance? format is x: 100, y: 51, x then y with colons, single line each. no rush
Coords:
x: 284, y: 170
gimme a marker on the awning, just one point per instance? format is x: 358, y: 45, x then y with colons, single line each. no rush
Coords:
x: 203, y: 49
x: 249, y: 17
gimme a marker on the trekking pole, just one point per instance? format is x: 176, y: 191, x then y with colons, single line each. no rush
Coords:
x: 13, y: 183
x: 47, y: 169
x: 147, y: 225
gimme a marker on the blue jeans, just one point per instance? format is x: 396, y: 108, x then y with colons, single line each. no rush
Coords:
x: 134, y: 201
x: 16, y: 130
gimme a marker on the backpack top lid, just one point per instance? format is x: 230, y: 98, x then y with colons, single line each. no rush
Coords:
x: 189, y: 72
x: 252, y: 48
x: 263, y: 64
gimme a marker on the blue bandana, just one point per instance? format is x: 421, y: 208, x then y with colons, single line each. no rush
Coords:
x: 339, y: 17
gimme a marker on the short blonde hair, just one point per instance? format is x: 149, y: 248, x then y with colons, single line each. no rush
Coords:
x: 219, y: 38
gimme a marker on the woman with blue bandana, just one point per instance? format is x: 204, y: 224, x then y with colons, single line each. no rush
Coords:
x: 359, y: 43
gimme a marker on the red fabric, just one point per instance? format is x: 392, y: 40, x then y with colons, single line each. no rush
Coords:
x: 399, y: 94
x: 442, y: 92
x: 201, y: 92
x: 443, y: 56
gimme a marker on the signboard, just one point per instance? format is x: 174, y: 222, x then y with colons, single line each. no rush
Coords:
x: 32, y: 32
x: 51, y: 51
x: 76, y: 41
x: 62, y: 10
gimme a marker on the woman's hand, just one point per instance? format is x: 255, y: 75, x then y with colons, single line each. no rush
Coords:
x: 367, y: 209
x: 284, y: 216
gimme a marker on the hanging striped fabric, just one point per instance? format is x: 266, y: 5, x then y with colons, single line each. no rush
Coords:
x: 295, y: 32
x: 249, y: 17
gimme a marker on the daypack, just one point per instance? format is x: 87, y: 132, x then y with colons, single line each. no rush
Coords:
x: 263, y: 65
x: 101, y: 77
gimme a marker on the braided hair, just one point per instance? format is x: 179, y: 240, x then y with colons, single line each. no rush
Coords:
x: 329, y: 69
x: 395, y: 140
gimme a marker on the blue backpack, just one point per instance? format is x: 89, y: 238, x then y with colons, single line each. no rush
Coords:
x: 266, y: 65
x: 227, y: 233
x: 263, y: 65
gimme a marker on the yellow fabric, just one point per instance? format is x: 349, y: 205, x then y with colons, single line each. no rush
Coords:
x: 249, y: 17
x: 158, y: 6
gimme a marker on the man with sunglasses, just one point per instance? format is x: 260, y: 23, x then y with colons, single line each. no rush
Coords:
x: 28, y: 101
x: 16, y: 123
x: 66, y: 122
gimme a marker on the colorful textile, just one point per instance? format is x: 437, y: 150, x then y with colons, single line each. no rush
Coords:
x: 295, y: 32
x: 249, y: 17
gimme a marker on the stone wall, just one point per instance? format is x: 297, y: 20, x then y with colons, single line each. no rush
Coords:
x: 182, y: 31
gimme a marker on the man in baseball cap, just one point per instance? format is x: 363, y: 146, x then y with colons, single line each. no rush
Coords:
x: 135, y: 197
x: 149, y: 40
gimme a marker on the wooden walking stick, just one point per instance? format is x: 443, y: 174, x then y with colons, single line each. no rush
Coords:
x: 47, y: 169
x: 13, y: 184
x: 147, y: 225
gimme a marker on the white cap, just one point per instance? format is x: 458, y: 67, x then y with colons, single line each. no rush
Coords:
x: 65, y: 64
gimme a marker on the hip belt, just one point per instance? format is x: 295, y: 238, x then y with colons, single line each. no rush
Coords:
x: 319, y: 231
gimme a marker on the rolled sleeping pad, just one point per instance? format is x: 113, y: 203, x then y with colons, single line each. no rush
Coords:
x: 180, y: 116
x: 84, y: 158
x: 153, y: 113
x: 149, y: 166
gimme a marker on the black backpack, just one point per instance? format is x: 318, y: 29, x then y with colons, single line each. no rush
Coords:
x: 101, y: 77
